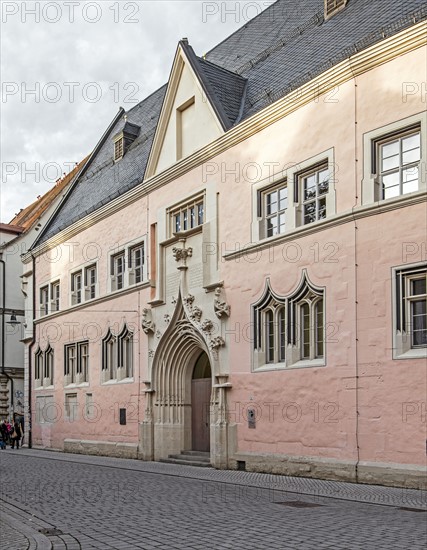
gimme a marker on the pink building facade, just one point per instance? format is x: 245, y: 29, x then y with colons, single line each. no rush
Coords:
x: 260, y: 292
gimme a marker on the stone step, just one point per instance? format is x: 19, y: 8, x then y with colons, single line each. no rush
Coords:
x: 196, y: 453
x: 186, y: 462
x: 197, y: 458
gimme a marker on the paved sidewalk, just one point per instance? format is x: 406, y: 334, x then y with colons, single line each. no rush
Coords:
x: 78, y: 502
x: 10, y: 537
x: 19, y: 532
x: 373, y: 494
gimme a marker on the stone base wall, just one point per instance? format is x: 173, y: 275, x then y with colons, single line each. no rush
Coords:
x: 101, y: 448
x: 410, y: 476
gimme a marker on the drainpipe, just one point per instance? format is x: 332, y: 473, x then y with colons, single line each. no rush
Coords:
x: 30, y: 359
x: 3, y: 335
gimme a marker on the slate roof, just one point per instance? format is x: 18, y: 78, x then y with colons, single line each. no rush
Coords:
x: 227, y: 90
x: 105, y: 180
x: 284, y: 47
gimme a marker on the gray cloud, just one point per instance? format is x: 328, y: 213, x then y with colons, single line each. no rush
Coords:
x: 126, y: 54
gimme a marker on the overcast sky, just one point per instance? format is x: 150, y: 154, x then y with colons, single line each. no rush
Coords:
x: 67, y: 67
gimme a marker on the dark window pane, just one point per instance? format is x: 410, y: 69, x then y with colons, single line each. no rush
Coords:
x: 418, y: 286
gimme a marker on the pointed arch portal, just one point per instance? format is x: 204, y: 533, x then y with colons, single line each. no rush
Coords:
x: 182, y: 389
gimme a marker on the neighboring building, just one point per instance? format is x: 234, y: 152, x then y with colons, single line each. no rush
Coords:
x: 11, y: 348
x: 16, y: 239
x: 251, y: 236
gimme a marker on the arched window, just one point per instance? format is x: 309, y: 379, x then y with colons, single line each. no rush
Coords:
x: 38, y: 367
x: 125, y: 353
x: 109, y: 357
x: 289, y: 329
x: 48, y: 366
x: 274, y: 343
x: 311, y: 327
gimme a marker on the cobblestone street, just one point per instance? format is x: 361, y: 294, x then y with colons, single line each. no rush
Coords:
x: 63, y: 501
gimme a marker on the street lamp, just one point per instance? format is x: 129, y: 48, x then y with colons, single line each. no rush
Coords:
x: 13, y: 321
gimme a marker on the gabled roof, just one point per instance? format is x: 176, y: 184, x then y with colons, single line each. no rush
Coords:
x: 28, y: 216
x: 281, y: 49
x: 223, y: 92
x: 223, y: 88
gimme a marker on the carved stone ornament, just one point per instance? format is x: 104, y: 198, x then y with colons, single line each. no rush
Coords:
x: 147, y: 322
x: 207, y: 325
x: 182, y: 253
x: 173, y: 301
x: 196, y: 314
x: 167, y: 318
x: 158, y: 334
x: 221, y: 308
x: 216, y: 343
x: 189, y: 300
x: 151, y: 353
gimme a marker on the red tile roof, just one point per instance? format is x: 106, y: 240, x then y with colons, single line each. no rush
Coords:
x: 29, y: 215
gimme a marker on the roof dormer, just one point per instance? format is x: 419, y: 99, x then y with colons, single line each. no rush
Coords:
x: 332, y: 7
x: 124, y: 139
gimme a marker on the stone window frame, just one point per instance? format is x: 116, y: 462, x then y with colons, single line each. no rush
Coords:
x: 44, y: 363
x: 112, y: 371
x: 44, y: 300
x: 74, y: 292
x: 401, y: 333
x: 302, y: 202
x: 370, y: 182
x: 74, y: 375
x: 125, y: 251
x: 125, y: 354
x: 292, y: 303
x: 88, y: 287
x: 262, y: 208
x: 55, y: 295
x: 184, y: 207
x: 381, y: 174
x: 291, y: 174
x: 84, y: 291
x: 132, y: 269
x: 68, y: 417
x: 49, y: 366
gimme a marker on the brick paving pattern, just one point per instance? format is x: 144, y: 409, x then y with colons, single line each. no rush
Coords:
x: 104, y: 503
x: 11, y: 538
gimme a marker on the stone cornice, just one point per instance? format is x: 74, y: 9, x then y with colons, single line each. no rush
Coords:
x: 107, y: 297
x: 390, y: 48
x: 357, y: 213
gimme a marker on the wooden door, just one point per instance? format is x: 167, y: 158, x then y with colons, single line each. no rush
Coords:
x: 200, y: 416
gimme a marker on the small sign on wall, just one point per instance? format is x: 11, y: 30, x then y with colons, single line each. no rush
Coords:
x: 251, y: 418
x: 122, y: 417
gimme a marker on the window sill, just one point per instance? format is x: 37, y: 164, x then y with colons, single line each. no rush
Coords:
x: 182, y: 235
x: 417, y: 353
x: 93, y: 301
x: 127, y: 287
x: 74, y: 385
x: 115, y: 381
x: 39, y: 388
x: 303, y: 364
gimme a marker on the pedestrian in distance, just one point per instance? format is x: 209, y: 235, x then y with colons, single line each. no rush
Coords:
x: 9, y: 430
x: 16, y: 434
x: 3, y: 434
